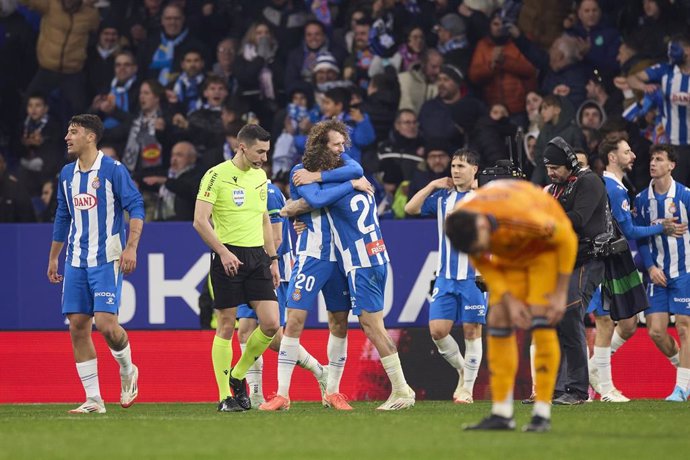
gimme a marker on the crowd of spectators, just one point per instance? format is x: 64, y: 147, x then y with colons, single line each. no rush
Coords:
x: 415, y: 80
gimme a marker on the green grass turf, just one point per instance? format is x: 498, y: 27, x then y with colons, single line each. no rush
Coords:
x: 431, y: 430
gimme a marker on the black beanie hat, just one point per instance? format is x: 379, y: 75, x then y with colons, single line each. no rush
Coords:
x: 556, y: 156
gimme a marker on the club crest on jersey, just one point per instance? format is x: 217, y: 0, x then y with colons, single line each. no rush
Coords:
x: 625, y: 205
x: 238, y: 197
x: 670, y: 207
x: 84, y: 201
x: 96, y: 182
x: 297, y: 295
x: 262, y: 194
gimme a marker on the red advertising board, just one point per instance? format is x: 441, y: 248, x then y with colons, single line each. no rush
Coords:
x: 37, y: 367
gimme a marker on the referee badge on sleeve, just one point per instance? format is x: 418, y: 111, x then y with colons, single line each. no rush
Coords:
x: 238, y: 197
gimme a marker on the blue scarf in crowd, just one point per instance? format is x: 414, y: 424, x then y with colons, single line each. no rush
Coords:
x: 163, y: 57
x: 188, y: 91
x: 121, y: 93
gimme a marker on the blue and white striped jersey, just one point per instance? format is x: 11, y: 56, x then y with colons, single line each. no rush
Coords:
x: 316, y: 240
x: 275, y: 203
x: 356, y: 231
x: 89, y: 212
x: 670, y: 254
x: 452, y: 264
x: 675, y: 86
x: 621, y: 210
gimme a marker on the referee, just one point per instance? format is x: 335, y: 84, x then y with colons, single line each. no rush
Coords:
x: 244, y: 264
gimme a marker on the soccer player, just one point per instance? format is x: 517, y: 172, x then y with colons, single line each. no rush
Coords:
x: 526, y: 259
x: 618, y: 159
x: 317, y: 269
x: 247, y: 317
x: 357, y: 236
x: 455, y: 296
x: 244, y: 263
x: 92, y: 193
x: 666, y: 259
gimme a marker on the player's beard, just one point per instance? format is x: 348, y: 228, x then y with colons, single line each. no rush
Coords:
x: 72, y: 156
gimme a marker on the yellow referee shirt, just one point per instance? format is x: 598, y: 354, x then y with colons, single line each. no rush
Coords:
x: 239, y: 203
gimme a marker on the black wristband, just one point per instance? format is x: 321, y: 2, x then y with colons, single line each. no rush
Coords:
x: 276, y: 257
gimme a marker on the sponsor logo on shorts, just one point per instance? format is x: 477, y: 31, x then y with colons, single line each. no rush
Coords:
x: 479, y: 308
x: 104, y: 294
x: 84, y: 201
x: 681, y: 300
x: 110, y: 301
x: 353, y: 301
x: 297, y: 295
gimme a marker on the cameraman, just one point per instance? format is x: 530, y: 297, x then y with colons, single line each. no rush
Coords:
x: 583, y: 197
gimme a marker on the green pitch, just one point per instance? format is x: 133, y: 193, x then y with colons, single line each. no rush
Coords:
x: 432, y: 430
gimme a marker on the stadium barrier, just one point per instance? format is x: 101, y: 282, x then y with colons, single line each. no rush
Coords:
x: 38, y: 367
x: 160, y: 309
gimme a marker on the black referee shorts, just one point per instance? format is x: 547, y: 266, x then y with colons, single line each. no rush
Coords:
x: 252, y: 282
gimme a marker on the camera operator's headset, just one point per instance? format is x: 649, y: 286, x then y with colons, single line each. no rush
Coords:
x: 569, y: 152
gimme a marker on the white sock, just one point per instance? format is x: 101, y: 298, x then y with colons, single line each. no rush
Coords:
x: 602, y: 361
x: 473, y: 358
x: 124, y: 358
x: 255, y: 375
x: 337, y: 356
x: 683, y: 378
x: 542, y: 409
x: 450, y: 350
x: 391, y: 364
x: 88, y: 373
x: 532, y: 370
x: 675, y: 360
x: 308, y: 362
x: 503, y: 408
x: 616, y: 341
x: 287, y: 358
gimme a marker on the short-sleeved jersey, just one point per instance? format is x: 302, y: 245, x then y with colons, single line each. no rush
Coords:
x: 452, y: 264
x: 276, y: 202
x: 90, y: 208
x: 239, y: 202
x: 675, y: 86
x: 316, y: 240
x: 528, y: 222
x: 670, y: 254
x: 356, y: 231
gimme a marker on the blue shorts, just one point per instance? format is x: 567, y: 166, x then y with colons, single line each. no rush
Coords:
x: 311, y: 275
x: 245, y: 311
x: 457, y: 300
x: 673, y: 299
x: 92, y: 289
x: 367, y: 286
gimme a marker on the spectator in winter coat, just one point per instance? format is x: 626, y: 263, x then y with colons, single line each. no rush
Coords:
x: 418, y: 84
x: 61, y: 48
x: 500, y: 70
x: 450, y: 117
x: 602, y: 41
x: 561, y: 69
